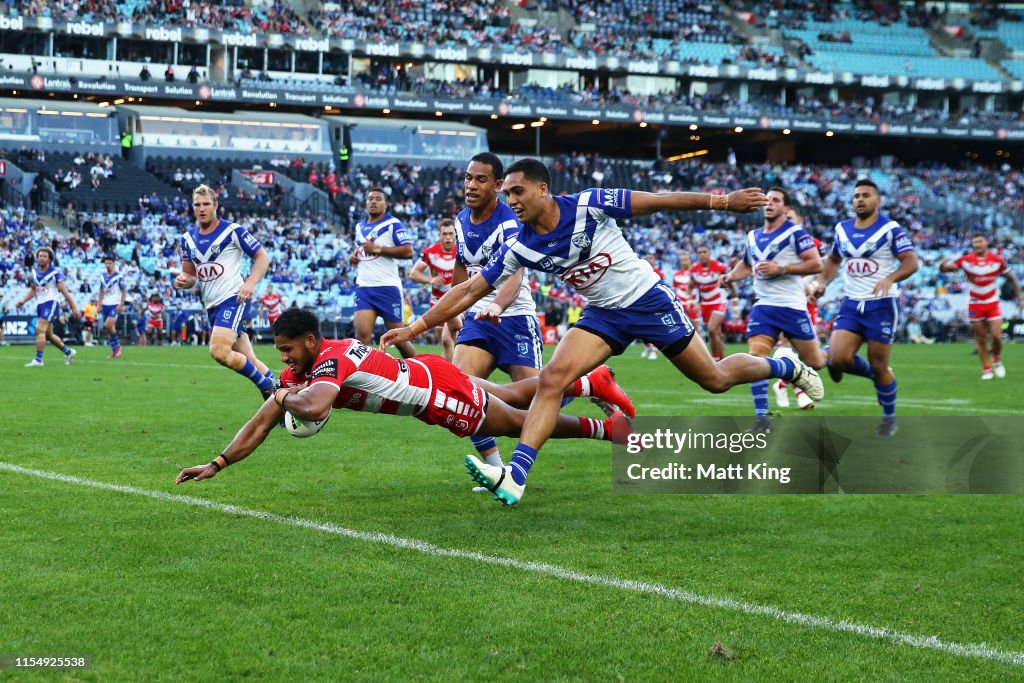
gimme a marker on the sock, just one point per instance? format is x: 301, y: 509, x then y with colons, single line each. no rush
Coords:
x: 986, y: 368
x: 255, y: 376
x: 782, y: 385
x: 39, y: 356
x: 798, y: 391
x: 522, y: 460
x: 591, y: 428
x: 494, y: 459
x: 862, y: 367
x: 716, y: 358
x: 759, y: 389
x: 996, y: 360
x: 483, y: 443
x: 783, y: 368
x: 581, y: 387
x: 270, y: 376
x: 114, y: 342
x: 887, y: 398
x: 66, y: 350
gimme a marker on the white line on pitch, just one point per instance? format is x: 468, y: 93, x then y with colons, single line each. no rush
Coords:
x: 978, y: 651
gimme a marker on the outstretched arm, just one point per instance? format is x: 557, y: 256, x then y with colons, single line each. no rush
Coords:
x: 456, y: 300
x: 247, y: 440
x: 740, y: 201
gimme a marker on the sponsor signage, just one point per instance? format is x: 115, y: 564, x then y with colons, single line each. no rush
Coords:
x: 263, y: 178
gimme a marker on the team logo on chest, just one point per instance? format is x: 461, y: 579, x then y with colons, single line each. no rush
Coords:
x: 581, y: 240
x: 586, y: 274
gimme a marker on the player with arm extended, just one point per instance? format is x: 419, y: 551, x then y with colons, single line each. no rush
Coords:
x: 383, y: 242
x: 576, y: 237
x: 983, y: 268
x: 111, y: 298
x: 878, y: 254
x: 323, y: 374
x: 47, y: 284
x: 778, y: 255
x: 211, y: 255
x: 434, y: 268
x: 501, y: 329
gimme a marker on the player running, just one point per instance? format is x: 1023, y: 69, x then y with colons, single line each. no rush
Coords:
x: 878, y: 254
x: 778, y: 255
x: 706, y: 279
x: 439, y: 260
x: 47, y: 283
x: 576, y: 237
x: 211, y: 255
x: 681, y: 285
x: 501, y: 330
x: 271, y: 303
x: 111, y: 297
x: 345, y: 373
x: 983, y: 268
x: 382, y: 241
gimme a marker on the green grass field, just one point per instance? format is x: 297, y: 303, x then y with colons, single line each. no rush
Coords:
x: 376, y: 562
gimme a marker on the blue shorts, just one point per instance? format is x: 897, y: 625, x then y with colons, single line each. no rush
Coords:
x: 230, y: 314
x: 772, y: 321
x: 656, y: 318
x: 515, y: 340
x: 874, y: 319
x: 109, y: 311
x: 48, y: 311
x: 387, y: 301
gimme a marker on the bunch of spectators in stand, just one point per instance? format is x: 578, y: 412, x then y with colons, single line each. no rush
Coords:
x: 310, y: 259
x: 95, y: 167
x: 795, y: 14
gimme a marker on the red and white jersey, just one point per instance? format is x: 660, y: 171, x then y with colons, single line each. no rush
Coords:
x: 372, y: 381
x: 439, y: 262
x: 707, y: 279
x: 272, y: 302
x: 982, y: 275
x: 681, y: 284
x: 155, y: 311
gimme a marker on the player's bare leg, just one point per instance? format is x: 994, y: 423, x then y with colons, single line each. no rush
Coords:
x: 578, y: 353
x: 405, y: 348
x: 980, y: 330
x: 741, y: 368
x: 504, y: 420
x: 222, y: 349
x: 995, y: 328
x: 842, y: 356
x: 243, y: 345
x: 601, y: 385
x: 479, y: 363
x: 716, y: 335
x: 363, y: 321
x: 447, y: 343
x: 760, y: 345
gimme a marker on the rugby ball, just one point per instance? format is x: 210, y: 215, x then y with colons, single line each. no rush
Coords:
x: 302, y: 429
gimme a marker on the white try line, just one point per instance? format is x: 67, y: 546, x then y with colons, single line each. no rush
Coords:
x: 950, y: 405
x: 979, y: 651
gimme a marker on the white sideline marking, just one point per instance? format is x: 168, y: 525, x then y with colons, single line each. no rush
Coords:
x: 979, y: 651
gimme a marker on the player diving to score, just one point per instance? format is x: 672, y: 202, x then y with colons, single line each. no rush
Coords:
x: 345, y: 373
x: 576, y: 237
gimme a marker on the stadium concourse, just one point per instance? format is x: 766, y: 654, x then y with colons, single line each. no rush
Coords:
x: 310, y: 257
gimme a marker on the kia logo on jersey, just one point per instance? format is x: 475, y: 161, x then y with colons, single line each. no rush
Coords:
x: 586, y: 274
x: 861, y: 267
x: 209, y: 271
